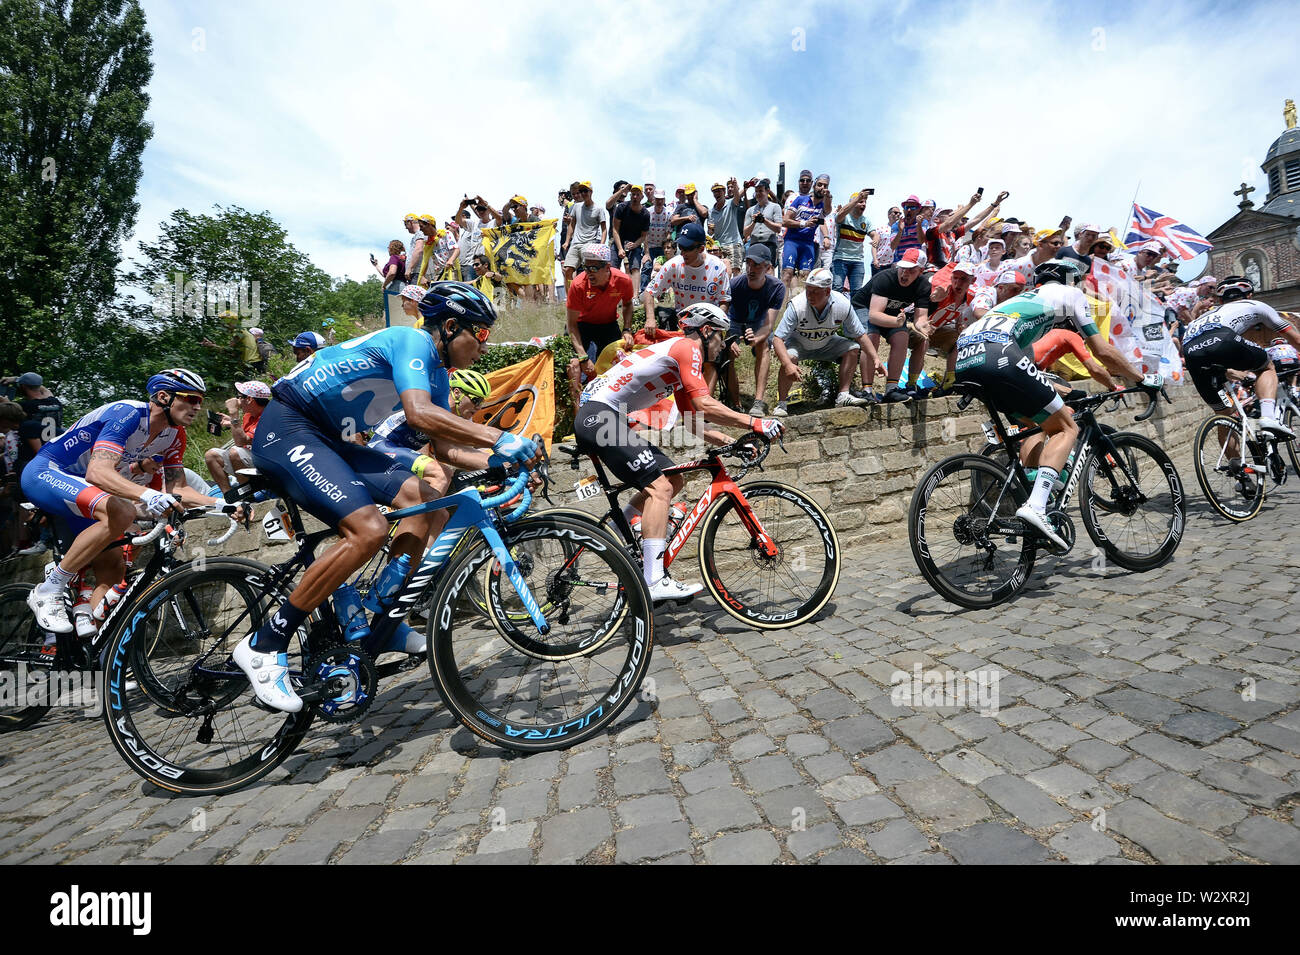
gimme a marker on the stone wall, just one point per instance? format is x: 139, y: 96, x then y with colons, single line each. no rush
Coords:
x: 861, y: 464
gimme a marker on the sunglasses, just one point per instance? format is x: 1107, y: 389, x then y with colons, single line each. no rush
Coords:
x: 481, y: 333
x: 805, y: 180
x: 187, y: 397
x: 474, y: 401
x: 596, y: 266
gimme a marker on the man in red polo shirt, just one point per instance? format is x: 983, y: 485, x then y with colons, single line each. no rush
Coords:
x: 593, y: 304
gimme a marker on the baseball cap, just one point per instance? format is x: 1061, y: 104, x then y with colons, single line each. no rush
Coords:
x: 540, y: 208
x: 819, y: 278
x: 660, y: 194
x: 594, y: 250
x: 1089, y: 227
x: 253, y: 389
x: 824, y: 177
x: 635, y: 188
x: 928, y: 202
x: 1043, y: 234
x: 308, y: 340
x: 999, y: 241
x: 716, y: 185
x: 911, y: 201
x: 413, y: 292
x: 1010, y: 277
x: 805, y: 172
x: 692, y: 234
x: 965, y: 268
x: 256, y: 332
x: 425, y: 217
x: 1206, y: 280
x: 410, y: 215
x: 911, y: 259
x: 1152, y: 246
x: 30, y: 380
x: 759, y: 253
x: 689, y: 187
x: 1009, y: 226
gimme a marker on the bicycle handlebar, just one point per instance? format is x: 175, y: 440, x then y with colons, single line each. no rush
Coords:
x: 158, y: 530
x: 1151, y: 403
x: 512, y: 489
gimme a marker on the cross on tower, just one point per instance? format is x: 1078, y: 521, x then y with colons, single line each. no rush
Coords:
x: 1245, y: 192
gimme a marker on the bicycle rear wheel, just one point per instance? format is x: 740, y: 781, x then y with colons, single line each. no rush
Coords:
x: 20, y: 650
x: 770, y: 592
x: 965, y: 536
x: 1132, y: 502
x: 529, y: 691
x: 1292, y: 421
x: 178, y: 709
x: 1232, y: 487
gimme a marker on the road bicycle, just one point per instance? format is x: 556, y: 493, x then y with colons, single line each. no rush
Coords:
x: 768, y: 553
x: 33, y: 661
x: 974, y: 551
x: 1235, y: 486
x: 557, y: 680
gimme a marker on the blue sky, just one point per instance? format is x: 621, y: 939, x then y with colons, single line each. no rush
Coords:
x: 337, y: 118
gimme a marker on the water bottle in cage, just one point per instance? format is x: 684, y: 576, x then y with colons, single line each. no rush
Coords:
x: 351, y: 615
x: 109, y: 602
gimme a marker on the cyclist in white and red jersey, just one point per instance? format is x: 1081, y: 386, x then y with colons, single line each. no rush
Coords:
x: 673, y: 367
x: 694, y: 275
x: 83, y: 479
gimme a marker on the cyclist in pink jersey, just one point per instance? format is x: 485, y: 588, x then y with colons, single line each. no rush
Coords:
x: 673, y: 367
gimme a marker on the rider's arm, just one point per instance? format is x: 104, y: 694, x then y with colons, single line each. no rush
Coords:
x: 423, y: 415
x: 1111, y: 357
x: 457, y: 455
x: 102, y: 473
x: 1099, y: 374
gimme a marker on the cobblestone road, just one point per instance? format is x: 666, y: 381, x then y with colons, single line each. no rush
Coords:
x: 1143, y: 718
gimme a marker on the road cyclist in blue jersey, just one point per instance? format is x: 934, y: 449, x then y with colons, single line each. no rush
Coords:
x: 305, y: 443
x: 85, y: 480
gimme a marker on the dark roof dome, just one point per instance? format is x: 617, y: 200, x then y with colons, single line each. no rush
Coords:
x: 1288, y: 142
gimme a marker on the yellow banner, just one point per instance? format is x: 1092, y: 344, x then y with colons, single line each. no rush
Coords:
x: 524, y: 252
x: 523, y: 398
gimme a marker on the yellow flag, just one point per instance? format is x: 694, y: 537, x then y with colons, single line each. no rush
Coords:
x: 523, y: 398
x: 522, y: 252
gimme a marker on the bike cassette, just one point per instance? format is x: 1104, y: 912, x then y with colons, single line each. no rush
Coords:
x: 344, y: 681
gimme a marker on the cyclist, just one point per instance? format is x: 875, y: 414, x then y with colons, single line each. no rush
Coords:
x: 303, y: 442
x: 83, y: 479
x: 991, y: 351
x: 1214, y: 343
x: 673, y: 367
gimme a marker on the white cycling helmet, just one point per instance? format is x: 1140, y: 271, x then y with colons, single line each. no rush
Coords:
x: 704, y: 313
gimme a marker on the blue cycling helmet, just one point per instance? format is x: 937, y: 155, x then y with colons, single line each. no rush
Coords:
x: 175, y: 379
x: 458, y: 300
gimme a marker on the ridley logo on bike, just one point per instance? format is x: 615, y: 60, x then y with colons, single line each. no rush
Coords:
x: 688, y: 525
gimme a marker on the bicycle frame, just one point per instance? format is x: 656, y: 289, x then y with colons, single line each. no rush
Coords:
x: 720, y: 483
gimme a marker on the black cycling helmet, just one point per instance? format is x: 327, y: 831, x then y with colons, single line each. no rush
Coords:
x: 458, y: 300
x: 1066, y: 271
x: 1234, y: 287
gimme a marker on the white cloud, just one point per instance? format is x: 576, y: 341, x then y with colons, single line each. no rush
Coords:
x: 338, y: 118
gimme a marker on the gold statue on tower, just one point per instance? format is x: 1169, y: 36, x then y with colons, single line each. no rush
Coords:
x: 1288, y: 112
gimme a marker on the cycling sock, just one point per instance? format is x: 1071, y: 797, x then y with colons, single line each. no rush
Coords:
x: 652, y: 560
x: 1042, y: 488
x: 1267, y: 406
x: 273, y: 636
x: 57, y: 581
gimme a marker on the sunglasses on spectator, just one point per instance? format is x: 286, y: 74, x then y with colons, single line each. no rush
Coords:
x: 802, y: 179
x: 480, y: 332
x: 596, y: 266
x: 187, y: 397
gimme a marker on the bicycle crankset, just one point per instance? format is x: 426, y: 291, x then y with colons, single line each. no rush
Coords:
x: 340, y: 683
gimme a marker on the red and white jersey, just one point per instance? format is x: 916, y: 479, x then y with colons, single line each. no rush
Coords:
x: 671, y: 367
x: 708, y: 282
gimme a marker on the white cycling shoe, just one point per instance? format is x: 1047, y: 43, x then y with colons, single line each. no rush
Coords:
x: 1038, y: 519
x: 669, y: 589
x: 50, y: 610
x: 269, y: 675
x: 1276, y: 427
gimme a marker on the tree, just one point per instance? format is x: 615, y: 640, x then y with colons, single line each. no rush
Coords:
x: 233, y: 260
x: 355, y: 299
x: 72, y: 131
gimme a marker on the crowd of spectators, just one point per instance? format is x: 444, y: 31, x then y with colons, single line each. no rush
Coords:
x: 805, y: 278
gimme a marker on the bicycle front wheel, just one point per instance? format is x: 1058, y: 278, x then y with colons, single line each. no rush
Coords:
x: 770, y: 591
x: 178, y: 709
x: 1233, y: 488
x: 1292, y: 421
x: 1133, y: 504
x: 21, y: 641
x: 965, y: 537
x: 526, y: 690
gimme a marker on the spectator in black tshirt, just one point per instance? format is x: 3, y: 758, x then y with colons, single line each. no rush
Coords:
x: 1085, y: 238
x: 880, y: 305
x: 756, y: 300
x: 631, y: 223
x: 42, y: 422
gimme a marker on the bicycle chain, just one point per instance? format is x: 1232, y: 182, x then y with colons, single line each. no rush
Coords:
x: 357, y: 668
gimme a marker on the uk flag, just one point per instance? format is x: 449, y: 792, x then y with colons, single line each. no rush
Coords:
x: 1182, y: 240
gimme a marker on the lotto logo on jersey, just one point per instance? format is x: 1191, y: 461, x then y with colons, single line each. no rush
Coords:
x: 620, y: 381
x: 644, y: 459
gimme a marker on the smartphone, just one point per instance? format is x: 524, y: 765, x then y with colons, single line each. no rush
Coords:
x: 980, y: 192
x: 214, y: 423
